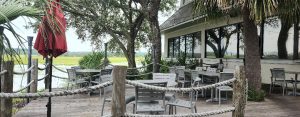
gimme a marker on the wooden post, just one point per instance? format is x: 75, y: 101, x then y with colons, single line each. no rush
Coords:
x: 118, y: 94
x: 7, y: 87
x: 34, y: 76
x: 239, y: 92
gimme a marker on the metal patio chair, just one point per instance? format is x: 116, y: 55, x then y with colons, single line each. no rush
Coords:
x: 147, y: 100
x: 278, y: 77
x: 189, y: 104
x: 223, y: 77
x: 73, y: 80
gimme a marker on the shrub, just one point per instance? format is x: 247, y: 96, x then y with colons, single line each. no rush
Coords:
x: 91, y: 61
x: 256, y: 96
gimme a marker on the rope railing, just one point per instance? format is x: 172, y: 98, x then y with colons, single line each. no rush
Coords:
x: 24, y: 87
x: 43, y: 68
x: 56, y: 93
x: 24, y: 72
x: 140, y: 67
x: 3, y: 72
x: 59, y: 69
x: 40, y: 79
x: 32, y: 81
x: 139, y: 74
x: 203, y: 114
x: 171, y: 89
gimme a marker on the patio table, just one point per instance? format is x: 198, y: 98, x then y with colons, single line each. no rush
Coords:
x: 90, y: 73
x: 295, y: 93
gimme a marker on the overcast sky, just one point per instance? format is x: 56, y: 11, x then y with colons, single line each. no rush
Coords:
x: 74, y: 44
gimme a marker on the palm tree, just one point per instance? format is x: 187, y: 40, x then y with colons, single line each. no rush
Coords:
x: 251, y: 11
x: 10, y: 10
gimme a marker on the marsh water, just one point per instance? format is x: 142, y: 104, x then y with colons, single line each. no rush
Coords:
x: 20, y: 81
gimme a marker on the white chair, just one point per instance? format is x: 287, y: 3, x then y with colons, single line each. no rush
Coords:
x: 223, y: 77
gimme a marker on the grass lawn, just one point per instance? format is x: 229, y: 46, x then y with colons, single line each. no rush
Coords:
x: 70, y: 60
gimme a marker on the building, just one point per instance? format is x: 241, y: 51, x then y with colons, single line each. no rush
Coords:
x: 198, y: 36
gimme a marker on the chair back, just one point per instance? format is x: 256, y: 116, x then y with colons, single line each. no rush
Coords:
x: 167, y: 77
x: 212, y: 69
x: 199, y: 68
x: 180, y: 67
x: 225, y: 76
x: 194, y: 74
x: 71, y: 74
x: 172, y: 70
x: 105, y: 76
x: 144, y: 94
x: 277, y: 74
x: 180, y: 72
x: 228, y: 70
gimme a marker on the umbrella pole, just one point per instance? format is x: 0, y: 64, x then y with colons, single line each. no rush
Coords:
x: 50, y: 86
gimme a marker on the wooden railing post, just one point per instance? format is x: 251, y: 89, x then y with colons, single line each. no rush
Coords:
x: 118, y: 91
x: 34, y: 76
x: 239, y: 92
x: 7, y: 87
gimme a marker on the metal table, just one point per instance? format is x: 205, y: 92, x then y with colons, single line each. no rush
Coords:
x: 90, y: 72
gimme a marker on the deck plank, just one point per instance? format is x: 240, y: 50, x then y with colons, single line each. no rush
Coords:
x: 82, y: 105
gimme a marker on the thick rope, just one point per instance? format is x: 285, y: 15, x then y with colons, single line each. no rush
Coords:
x: 24, y: 87
x: 3, y: 72
x: 43, y: 68
x: 59, y: 69
x: 140, y: 67
x: 204, y: 114
x: 59, y: 77
x: 24, y: 72
x: 29, y: 84
x: 57, y: 93
x: 43, y: 77
x: 139, y: 74
x: 171, y: 89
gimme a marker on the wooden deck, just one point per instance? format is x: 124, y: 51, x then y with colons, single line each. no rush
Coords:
x: 82, y: 105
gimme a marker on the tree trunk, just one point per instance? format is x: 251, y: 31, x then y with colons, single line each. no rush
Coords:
x: 131, y: 54
x: 282, y: 38
x: 296, y: 40
x: 252, y: 55
x: 153, y: 7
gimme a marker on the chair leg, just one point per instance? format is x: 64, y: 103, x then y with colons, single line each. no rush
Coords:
x: 195, y: 107
x: 219, y: 97
x: 270, y: 90
x: 175, y: 110
x: 283, y: 90
x: 103, y: 107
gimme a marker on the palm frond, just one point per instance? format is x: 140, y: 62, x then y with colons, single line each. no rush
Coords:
x: 12, y: 10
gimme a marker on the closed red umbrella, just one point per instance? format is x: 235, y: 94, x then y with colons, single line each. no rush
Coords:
x: 51, y: 39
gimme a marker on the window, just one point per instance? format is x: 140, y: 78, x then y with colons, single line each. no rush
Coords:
x: 189, y: 45
x: 224, y: 42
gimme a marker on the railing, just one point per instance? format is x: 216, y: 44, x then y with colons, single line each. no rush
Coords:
x: 118, y: 94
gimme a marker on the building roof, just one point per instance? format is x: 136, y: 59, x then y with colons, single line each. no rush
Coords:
x: 182, y: 15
